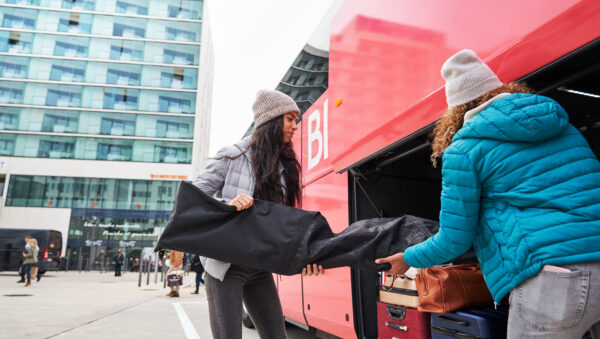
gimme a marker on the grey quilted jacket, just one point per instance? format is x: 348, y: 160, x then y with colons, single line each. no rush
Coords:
x: 224, y: 179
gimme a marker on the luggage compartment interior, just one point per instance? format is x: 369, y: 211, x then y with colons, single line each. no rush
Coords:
x: 402, y: 180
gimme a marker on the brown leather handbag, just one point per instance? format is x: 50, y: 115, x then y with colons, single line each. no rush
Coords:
x: 450, y: 288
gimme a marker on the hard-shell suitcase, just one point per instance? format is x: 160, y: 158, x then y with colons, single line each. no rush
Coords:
x: 402, y: 322
x: 400, y: 291
x: 470, y: 323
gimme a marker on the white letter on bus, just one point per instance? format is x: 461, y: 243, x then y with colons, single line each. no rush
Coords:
x: 325, y: 131
x: 314, y: 135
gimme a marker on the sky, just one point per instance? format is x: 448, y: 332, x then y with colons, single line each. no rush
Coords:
x: 255, y: 42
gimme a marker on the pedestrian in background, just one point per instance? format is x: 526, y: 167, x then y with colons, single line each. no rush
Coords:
x: 22, y: 265
x: 175, y: 261
x: 196, y: 266
x: 522, y: 186
x: 35, y: 272
x: 265, y: 167
x: 29, y: 258
x: 118, y: 262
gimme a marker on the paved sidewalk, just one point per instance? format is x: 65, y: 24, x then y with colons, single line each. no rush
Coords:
x: 94, y: 305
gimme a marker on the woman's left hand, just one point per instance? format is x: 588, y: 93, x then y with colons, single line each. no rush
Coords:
x: 399, y: 266
x: 313, y: 269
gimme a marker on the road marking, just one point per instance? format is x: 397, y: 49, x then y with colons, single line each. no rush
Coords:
x: 186, y: 323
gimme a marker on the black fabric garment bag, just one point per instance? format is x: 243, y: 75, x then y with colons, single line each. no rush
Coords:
x: 282, y: 239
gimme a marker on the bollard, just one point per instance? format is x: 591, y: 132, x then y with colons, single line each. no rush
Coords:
x: 140, y: 268
x: 79, y: 260
x: 148, y: 273
x: 156, y: 268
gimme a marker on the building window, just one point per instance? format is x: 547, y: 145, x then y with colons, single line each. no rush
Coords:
x: 109, y: 126
x: 97, y: 193
x: 302, y: 96
x: 58, y: 123
x: 10, y: 70
x: 174, y: 105
x: 88, y: 5
x: 11, y: 95
x: 182, y: 13
x: 61, y: 73
x: 9, y: 121
x: 180, y: 58
x: 120, y: 101
x: 69, y: 50
x: 113, y: 152
x: 125, y: 54
x: 73, y: 26
x: 169, y: 129
x: 180, y: 35
x: 62, y: 98
x: 124, y: 7
x: 7, y: 147
x: 128, y: 31
x: 14, y: 44
x: 114, y: 76
x: 24, y: 2
x: 56, y: 149
x: 173, y: 80
x: 14, y: 21
x: 170, y: 154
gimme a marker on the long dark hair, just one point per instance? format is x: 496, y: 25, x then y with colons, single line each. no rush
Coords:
x: 268, y: 151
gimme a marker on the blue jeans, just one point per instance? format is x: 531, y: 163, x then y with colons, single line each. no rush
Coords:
x: 557, y: 305
x: 27, y: 268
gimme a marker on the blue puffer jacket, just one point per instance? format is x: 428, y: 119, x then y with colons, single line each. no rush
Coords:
x: 522, y: 186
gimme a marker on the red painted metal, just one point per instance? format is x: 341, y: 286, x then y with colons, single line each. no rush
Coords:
x: 385, y: 59
x: 384, y: 69
x: 329, y: 295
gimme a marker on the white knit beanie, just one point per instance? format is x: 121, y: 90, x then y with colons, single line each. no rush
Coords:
x: 467, y: 78
x: 270, y: 104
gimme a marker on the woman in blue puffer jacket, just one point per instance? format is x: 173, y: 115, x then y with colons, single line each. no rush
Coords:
x: 522, y: 186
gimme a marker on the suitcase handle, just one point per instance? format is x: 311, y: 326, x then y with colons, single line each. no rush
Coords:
x: 396, y: 326
x: 453, y: 321
x: 396, y: 313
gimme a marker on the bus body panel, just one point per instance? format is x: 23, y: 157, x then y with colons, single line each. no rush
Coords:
x: 385, y: 59
x: 385, y: 84
x: 290, y: 295
x: 327, y: 298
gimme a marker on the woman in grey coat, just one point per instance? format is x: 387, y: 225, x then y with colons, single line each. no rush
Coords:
x: 263, y: 166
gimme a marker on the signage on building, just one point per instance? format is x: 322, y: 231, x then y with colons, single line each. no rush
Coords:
x: 168, y: 176
x: 3, y: 166
x: 91, y: 224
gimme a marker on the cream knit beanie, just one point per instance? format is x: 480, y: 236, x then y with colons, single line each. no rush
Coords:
x: 467, y: 78
x: 270, y: 104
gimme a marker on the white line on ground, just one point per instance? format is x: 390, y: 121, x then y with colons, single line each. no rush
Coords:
x: 188, y: 328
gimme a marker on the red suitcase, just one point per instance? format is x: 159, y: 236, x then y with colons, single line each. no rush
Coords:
x: 402, y: 322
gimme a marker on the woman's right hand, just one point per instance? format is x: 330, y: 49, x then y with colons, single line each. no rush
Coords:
x: 242, y: 201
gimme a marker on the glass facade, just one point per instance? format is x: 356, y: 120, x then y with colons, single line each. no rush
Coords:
x: 307, y: 78
x: 114, y: 149
x: 91, y: 193
x: 79, y: 71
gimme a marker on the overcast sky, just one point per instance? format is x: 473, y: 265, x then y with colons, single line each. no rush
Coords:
x: 255, y: 42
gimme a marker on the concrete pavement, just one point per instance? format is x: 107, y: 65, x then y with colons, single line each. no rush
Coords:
x: 94, y: 305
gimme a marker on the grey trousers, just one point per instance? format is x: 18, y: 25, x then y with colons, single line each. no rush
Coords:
x: 557, y: 305
x: 259, y: 294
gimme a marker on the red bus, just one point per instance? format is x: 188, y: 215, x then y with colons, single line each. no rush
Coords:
x: 364, y: 143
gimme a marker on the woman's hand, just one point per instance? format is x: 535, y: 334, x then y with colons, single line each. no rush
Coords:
x: 242, y: 201
x: 313, y: 269
x: 399, y: 266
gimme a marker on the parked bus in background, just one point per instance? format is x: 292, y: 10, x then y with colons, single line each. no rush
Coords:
x: 364, y: 141
x: 12, y: 245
